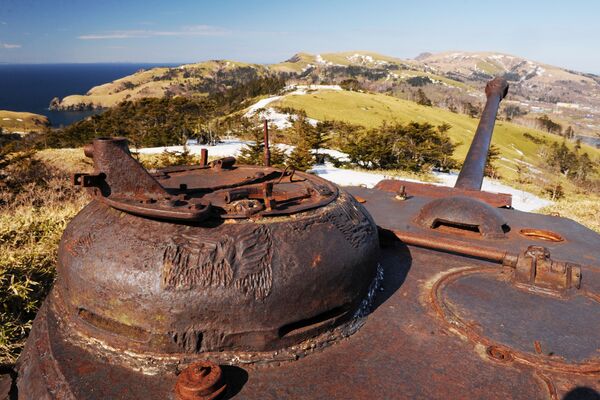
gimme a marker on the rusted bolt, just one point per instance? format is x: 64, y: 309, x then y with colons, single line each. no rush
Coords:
x: 268, y: 195
x: 401, y: 194
x: 202, y: 380
x: 498, y: 354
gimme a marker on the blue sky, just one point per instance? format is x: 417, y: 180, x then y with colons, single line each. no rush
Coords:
x: 564, y: 33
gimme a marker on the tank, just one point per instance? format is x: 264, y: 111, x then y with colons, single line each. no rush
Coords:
x: 225, y: 281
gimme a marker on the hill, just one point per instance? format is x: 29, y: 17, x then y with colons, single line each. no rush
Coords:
x: 22, y: 122
x: 452, y: 80
x: 189, y: 80
x: 518, y: 150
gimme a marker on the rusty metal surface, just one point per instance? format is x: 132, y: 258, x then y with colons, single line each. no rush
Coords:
x: 138, y: 286
x: 443, y: 326
x: 406, y: 349
x: 416, y: 189
x: 267, y: 150
x: 6, y: 383
x: 198, y: 193
x: 189, y: 289
x: 281, y: 291
x: 471, y: 174
x: 460, y: 212
x: 203, y: 380
x: 579, y: 244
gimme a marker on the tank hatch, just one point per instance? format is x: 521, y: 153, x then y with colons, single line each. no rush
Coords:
x: 217, y: 189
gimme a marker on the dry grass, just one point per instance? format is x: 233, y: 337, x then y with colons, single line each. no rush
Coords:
x: 37, y: 202
x: 29, y: 238
x: 584, y: 209
x: 13, y: 121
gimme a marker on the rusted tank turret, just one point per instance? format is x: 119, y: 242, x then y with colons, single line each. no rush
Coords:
x: 220, y: 281
x: 214, y: 261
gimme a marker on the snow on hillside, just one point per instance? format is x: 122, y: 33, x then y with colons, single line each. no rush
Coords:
x: 282, y: 120
x: 522, y: 200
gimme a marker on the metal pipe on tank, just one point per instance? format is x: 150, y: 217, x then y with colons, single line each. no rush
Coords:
x: 267, y: 150
x: 471, y: 174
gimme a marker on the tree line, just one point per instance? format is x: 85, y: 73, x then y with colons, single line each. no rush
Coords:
x: 413, y: 146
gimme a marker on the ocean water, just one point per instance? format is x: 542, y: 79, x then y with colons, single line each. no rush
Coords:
x: 31, y: 87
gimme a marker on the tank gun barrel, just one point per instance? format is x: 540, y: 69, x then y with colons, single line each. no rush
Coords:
x: 471, y: 174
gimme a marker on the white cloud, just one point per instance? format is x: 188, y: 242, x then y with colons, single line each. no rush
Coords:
x: 10, y: 46
x: 195, y: 30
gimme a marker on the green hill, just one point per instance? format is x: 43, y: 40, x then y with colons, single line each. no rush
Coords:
x: 22, y: 122
x: 189, y: 80
x: 371, y: 110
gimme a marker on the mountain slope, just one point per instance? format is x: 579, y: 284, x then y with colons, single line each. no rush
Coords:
x: 453, y: 80
x: 371, y: 110
x: 22, y: 122
x: 186, y: 80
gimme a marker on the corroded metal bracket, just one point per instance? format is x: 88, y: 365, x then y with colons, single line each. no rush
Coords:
x: 534, y: 267
x: 122, y: 183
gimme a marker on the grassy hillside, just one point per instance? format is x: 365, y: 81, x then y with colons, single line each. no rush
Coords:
x: 190, y: 80
x: 371, y: 110
x: 12, y: 121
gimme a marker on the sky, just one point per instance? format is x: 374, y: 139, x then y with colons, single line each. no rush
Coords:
x: 562, y: 33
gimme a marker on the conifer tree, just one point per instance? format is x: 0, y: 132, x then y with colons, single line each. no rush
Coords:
x: 493, y: 155
x: 253, y: 153
x: 306, y: 139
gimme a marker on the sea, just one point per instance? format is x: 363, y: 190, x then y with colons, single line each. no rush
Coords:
x: 31, y: 87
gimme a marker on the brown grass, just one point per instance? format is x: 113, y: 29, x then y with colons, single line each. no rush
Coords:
x: 583, y: 208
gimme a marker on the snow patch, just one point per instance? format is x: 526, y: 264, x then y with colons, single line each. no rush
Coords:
x: 365, y: 60
x: 521, y: 200
x: 282, y: 120
x: 517, y: 150
x: 320, y: 60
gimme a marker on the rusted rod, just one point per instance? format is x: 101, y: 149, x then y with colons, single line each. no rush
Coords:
x: 457, y: 247
x: 203, y: 157
x: 267, y: 150
x: 471, y: 174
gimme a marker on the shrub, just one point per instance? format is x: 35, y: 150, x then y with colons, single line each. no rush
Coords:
x: 412, y: 147
x: 37, y: 203
x: 253, y: 153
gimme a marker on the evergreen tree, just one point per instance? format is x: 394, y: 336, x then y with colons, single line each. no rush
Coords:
x: 492, y: 156
x: 571, y: 164
x: 413, y: 147
x: 550, y: 126
x: 471, y: 110
x: 319, y: 137
x: 253, y: 153
x: 306, y: 138
x: 301, y: 158
x: 422, y: 98
x: 569, y: 132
